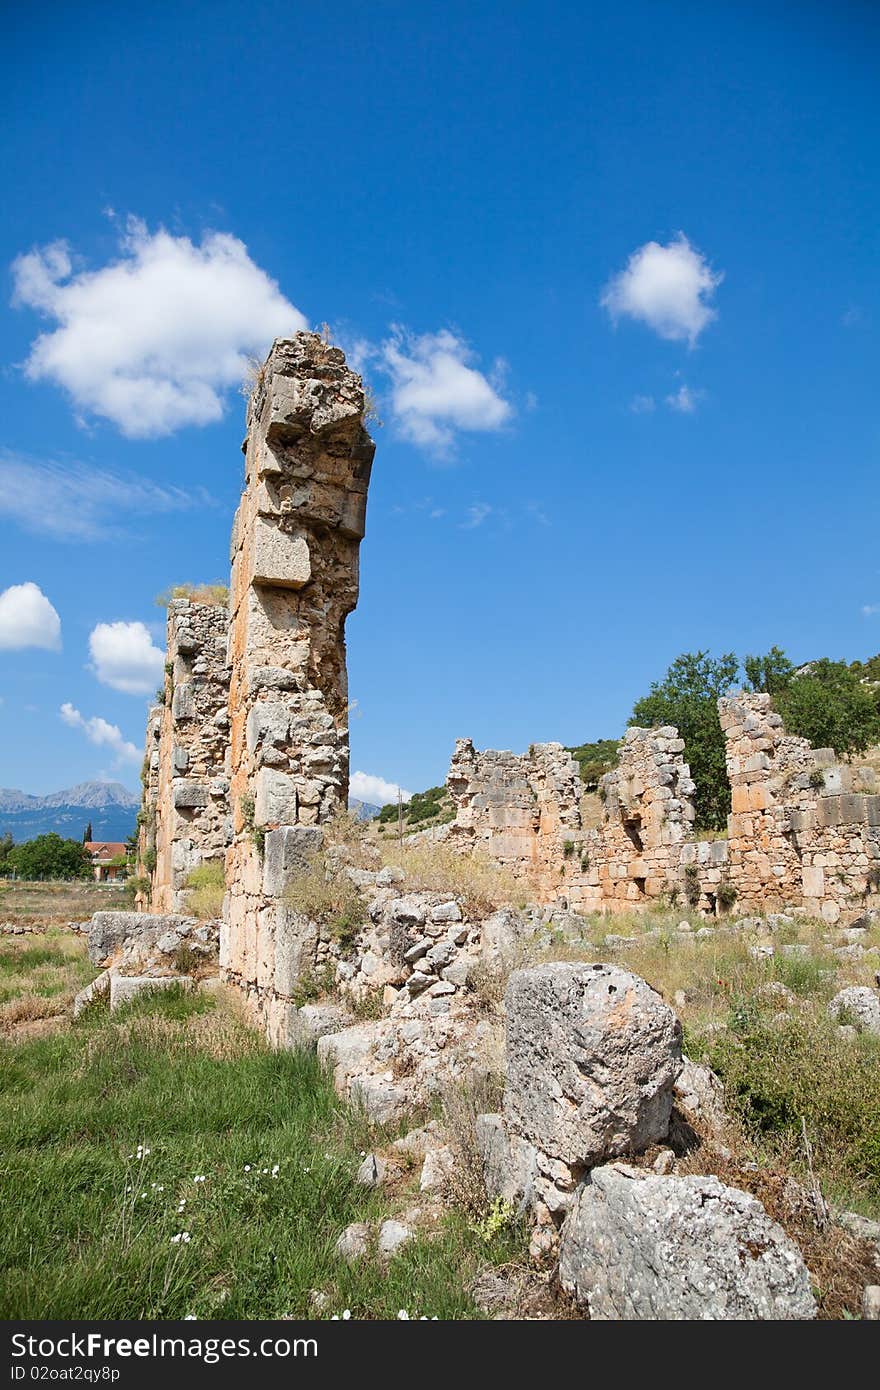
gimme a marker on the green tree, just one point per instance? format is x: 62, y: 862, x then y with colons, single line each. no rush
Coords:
x: 830, y: 703
x: 595, y: 759
x: 831, y: 706
x: 7, y: 844
x: 48, y: 856
x: 687, y: 697
x: 770, y: 673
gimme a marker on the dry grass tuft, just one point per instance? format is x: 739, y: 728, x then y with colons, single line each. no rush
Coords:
x: 482, y: 886
x: 207, y: 884
x: 461, y: 1106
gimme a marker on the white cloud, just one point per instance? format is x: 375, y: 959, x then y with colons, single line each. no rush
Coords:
x: 684, y: 400
x: 27, y: 619
x: 641, y: 405
x: 436, y: 390
x: 124, y: 657
x: 72, y: 502
x: 666, y: 287
x: 99, y: 732
x: 363, y: 786
x: 870, y: 610
x: 152, y: 340
x: 476, y: 515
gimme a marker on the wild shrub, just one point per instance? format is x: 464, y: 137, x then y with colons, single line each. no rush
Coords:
x: 207, y: 884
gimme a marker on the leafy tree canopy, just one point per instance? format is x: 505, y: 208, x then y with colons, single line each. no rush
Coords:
x: 687, y: 697
x: 830, y: 703
x: 48, y: 856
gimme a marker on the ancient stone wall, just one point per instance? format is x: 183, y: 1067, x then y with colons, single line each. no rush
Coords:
x: 295, y: 548
x: 520, y: 809
x: 804, y: 829
x: 189, y: 781
x: 146, y: 821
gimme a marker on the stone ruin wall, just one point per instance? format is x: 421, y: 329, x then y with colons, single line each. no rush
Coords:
x: 803, y: 827
x: 518, y: 809
x: 804, y: 830
x: 295, y: 549
x: 185, y: 818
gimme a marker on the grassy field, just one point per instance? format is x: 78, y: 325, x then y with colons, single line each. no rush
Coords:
x: 41, y: 903
x: 122, y: 1136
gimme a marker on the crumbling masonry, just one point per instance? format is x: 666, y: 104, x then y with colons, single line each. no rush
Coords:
x: 804, y: 830
x: 184, y: 821
x: 295, y: 548
x: 247, y: 757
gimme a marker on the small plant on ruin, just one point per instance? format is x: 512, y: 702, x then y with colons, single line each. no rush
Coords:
x: 256, y: 832
x: 726, y: 895
x: 159, y: 697
x: 324, y: 893
x: 817, y: 779
x: 568, y: 849
x: 499, y: 1217
x: 315, y: 985
x: 185, y: 959
x: 149, y: 860
x: 585, y: 862
x: 196, y: 593
x: 207, y: 885
x: 692, y: 884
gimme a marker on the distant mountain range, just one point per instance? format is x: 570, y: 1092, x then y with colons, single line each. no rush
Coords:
x: 109, y: 806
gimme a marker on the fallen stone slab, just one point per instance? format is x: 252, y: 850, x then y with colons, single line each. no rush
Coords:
x: 126, y: 987
x: 108, y: 932
x: 636, y: 1245
x: 859, y: 1005
x: 98, y: 989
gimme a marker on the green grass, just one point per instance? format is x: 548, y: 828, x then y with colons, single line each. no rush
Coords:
x: 88, y: 1225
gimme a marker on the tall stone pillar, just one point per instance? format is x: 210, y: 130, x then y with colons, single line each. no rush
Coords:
x: 192, y: 808
x: 295, y: 548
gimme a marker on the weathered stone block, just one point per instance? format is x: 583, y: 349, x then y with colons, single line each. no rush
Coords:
x: 190, y: 796
x: 274, y: 798
x: 287, y: 853
x: 280, y: 558
x: 592, y: 1056
x: 638, y: 1246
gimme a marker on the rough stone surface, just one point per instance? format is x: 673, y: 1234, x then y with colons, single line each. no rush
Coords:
x: 592, y: 1057
x: 294, y: 581
x: 637, y: 1246
x: 354, y: 1242
x: 393, y: 1235
x: 860, y: 1006
x: 185, y: 813
x: 98, y: 989
x: 110, y: 934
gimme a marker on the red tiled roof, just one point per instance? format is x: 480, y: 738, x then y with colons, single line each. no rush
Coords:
x: 105, y: 849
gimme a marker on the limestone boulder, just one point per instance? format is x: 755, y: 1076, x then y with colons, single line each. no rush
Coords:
x: 636, y: 1246
x: 858, y: 1005
x: 110, y: 933
x: 593, y: 1054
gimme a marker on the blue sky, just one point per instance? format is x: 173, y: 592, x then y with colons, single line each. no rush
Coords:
x: 611, y: 272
